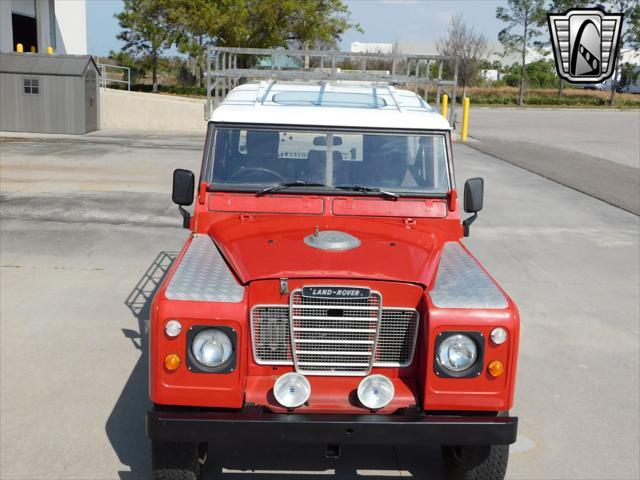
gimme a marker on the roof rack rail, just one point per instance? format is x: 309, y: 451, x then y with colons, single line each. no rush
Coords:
x: 228, y: 67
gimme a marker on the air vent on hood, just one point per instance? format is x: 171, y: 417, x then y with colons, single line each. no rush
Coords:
x: 332, y: 240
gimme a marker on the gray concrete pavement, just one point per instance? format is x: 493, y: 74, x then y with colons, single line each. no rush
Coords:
x: 572, y: 265
x: 105, y: 162
x: 593, y: 151
x: 609, y: 134
x: 78, y: 265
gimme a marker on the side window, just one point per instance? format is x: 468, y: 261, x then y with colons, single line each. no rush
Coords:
x: 226, y: 153
x: 429, y: 163
x: 31, y: 86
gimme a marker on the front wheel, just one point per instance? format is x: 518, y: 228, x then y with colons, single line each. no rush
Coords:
x: 177, y: 460
x: 486, y: 462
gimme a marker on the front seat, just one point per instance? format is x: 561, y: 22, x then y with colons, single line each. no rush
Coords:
x: 262, y: 148
x: 315, y: 167
x: 261, y: 163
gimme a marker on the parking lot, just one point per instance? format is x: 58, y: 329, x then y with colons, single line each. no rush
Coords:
x: 88, y: 229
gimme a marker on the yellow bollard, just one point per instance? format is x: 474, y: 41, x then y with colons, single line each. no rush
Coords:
x: 445, y: 103
x: 50, y: 50
x: 19, y: 48
x: 32, y: 49
x: 465, y: 118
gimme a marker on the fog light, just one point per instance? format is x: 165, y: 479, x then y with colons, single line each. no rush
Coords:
x: 172, y: 362
x: 173, y: 328
x: 375, y: 392
x: 292, y: 390
x: 498, y: 335
x: 496, y: 368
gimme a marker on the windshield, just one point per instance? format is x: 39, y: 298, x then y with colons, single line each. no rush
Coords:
x: 404, y: 163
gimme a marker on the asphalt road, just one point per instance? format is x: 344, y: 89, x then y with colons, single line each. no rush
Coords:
x: 83, y: 246
x: 596, y: 152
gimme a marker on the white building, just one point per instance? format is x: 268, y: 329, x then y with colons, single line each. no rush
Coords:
x: 495, y: 51
x: 39, y: 24
x: 361, y: 47
x: 630, y: 55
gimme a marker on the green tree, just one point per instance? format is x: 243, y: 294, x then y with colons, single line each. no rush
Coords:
x: 630, y: 34
x: 470, y: 47
x: 561, y: 6
x: 540, y: 74
x: 145, y: 31
x: 256, y: 23
x: 634, y: 25
x: 196, y: 24
x: 137, y: 66
x: 522, y: 18
x: 628, y: 74
x: 319, y: 23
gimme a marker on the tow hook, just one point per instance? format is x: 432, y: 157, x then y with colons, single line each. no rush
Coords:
x: 332, y: 450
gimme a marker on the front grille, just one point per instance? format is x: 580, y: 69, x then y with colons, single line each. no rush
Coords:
x: 334, y: 337
x: 397, y: 338
x: 270, y: 335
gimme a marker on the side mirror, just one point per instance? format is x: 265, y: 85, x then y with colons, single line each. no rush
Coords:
x: 183, y: 186
x: 182, y: 193
x: 473, y: 195
x: 473, y: 200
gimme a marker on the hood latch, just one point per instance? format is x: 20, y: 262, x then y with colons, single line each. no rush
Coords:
x: 284, y: 286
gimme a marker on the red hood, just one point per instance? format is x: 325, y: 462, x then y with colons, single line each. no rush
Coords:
x: 264, y: 247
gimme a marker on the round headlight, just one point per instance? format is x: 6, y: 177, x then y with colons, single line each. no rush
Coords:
x: 292, y: 390
x: 457, y: 353
x: 375, y: 391
x: 212, y: 347
x: 173, y: 328
x: 498, y: 335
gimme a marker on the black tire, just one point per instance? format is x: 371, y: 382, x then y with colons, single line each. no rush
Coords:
x: 175, y: 461
x: 487, y: 462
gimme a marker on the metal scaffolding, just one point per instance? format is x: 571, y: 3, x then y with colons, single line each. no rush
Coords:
x: 229, y: 67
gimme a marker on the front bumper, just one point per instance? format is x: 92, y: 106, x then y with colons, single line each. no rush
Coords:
x: 255, y: 426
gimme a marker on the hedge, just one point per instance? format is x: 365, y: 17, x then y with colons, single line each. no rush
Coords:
x: 482, y: 96
x: 173, y: 89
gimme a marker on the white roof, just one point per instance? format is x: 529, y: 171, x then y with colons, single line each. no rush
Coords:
x: 344, y: 104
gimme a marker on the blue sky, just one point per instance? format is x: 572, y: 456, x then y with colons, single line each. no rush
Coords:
x: 382, y: 20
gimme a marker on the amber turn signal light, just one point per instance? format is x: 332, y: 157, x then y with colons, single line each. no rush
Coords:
x: 495, y: 368
x: 172, y: 362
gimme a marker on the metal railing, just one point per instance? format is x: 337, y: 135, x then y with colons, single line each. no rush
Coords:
x: 118, y: 73
x: 228, y: 67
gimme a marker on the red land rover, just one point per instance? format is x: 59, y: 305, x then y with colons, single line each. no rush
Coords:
x: 324, y: 295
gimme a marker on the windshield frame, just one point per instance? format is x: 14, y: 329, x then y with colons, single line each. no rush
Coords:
x: 206, y: 172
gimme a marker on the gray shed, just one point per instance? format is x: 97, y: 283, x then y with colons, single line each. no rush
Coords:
x: 49, y: 93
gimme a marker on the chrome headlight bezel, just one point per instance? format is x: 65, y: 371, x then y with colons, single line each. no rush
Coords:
x: 474, y: 370
x: 192, y: 362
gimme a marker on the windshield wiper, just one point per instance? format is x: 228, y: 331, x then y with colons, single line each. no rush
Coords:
x: 282, y: 186
x: 360, y: 188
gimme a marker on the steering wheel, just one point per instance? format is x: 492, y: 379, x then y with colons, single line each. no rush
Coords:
x: 248, y: 170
